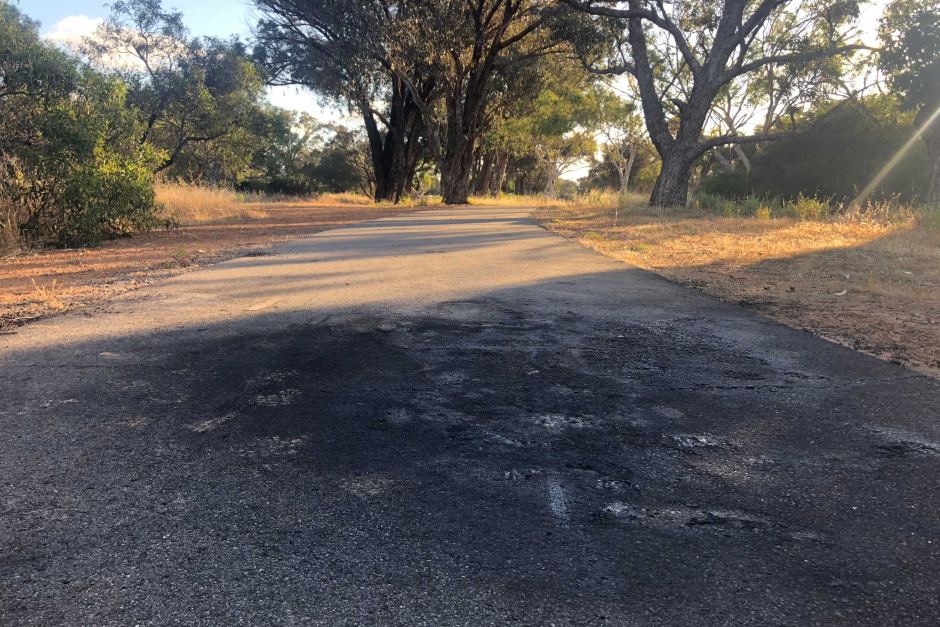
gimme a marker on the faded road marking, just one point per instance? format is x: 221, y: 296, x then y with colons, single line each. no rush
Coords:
x: 558, y: 502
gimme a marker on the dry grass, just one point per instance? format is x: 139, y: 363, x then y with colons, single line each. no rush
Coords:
x: 195, y: 204
x: 346, y: 198
x: 866, y: 279
x: 48, y: 295
x: 189, y: 204
x: 10, y: 240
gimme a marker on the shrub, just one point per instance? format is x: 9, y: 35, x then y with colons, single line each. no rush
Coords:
x: 763, y: 213
x: 808, y: 208
x: 97, y: 202
x: 73, y: 170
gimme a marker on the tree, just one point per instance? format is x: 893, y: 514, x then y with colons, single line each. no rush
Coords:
x: 345, y: 50
x: 560, y: 130
x: 622, y: 131
x: 338, y: 166
x: 189, y: 91
x: 910, y: 57
x: 843, y: 154
x: 462, y: 46
x: 71, y: 169
x: 682, y: 55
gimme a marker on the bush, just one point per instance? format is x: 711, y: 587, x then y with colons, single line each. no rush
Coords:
x: 97, y: 202
x: 73, y: 170
x: 806, y: 208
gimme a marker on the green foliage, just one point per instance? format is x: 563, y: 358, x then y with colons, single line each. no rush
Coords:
x: 195, y: 97
x: 807, y: 208
x: 73, y: 171
x: 910, y: 51
x: 844, y: 150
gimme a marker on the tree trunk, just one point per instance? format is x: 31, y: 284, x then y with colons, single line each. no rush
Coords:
x: 394, y: 154
x: 626, y: 171
x: 455, y: 187
x: 483, y: 178
x: 672, y: 185
x: 551, y: 182
x: 931, y: 137
x: 497, y: 184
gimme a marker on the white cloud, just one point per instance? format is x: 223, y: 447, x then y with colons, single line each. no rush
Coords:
x: 70, y: 30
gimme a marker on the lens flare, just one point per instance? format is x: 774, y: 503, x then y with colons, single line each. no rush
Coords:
x: 896, y: 159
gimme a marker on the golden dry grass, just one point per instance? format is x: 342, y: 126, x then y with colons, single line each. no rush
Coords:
x: 347, y: 198
x: 190, y: 204
x: 10, y: 241
x: 194, y: 204
x: 871, y: 284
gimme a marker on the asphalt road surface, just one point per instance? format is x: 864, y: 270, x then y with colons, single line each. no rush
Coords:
x: 456, y: 418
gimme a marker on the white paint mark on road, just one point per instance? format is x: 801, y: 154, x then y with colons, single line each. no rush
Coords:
x: 558, y: 502
x: 212, y: 423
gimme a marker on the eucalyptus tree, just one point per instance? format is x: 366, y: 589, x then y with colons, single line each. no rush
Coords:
x: 910, y: 56
x: 188, y: 91
x: 346, y: 51
x: 71, y: 169
x: 463, y: 45
x: 621, y: 128
x: 560, y: 130
x: 685, y: 54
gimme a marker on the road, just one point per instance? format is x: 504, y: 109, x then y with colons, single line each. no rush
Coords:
x: 455, y: 417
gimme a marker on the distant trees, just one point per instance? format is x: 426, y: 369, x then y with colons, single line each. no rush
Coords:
x: 622, y: 131
x: 560, y: 131
x: 910, y: 56
x: 847, y: 147
x: 430, y: 64
x: 682, y: 55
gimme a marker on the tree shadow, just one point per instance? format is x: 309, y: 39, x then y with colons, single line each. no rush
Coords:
x: 582, y: 448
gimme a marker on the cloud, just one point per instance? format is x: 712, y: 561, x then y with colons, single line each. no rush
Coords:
x: 70, y: 30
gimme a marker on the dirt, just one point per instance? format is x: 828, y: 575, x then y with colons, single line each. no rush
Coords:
x: 40, y: 283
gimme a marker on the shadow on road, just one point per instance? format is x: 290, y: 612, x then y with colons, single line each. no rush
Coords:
x: 523, y: 455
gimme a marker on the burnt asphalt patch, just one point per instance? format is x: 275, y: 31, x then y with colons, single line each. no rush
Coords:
x: 480, y: 463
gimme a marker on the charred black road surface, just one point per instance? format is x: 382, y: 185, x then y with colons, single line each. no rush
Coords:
x: 456, y: 418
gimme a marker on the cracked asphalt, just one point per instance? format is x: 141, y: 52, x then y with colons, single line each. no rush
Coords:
x: 456, y: 418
